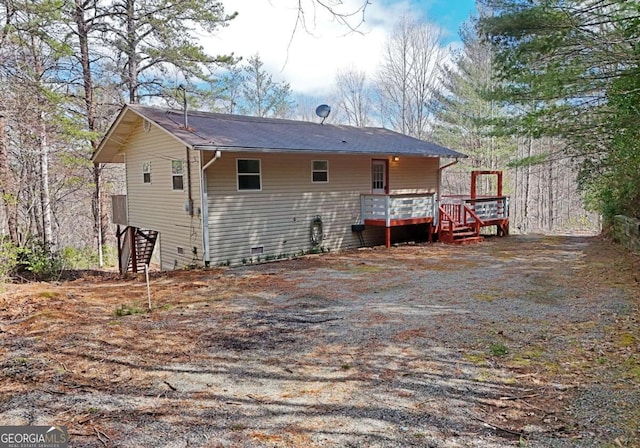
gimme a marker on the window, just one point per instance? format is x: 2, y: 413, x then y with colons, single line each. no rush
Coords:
x: 146, y: 172
x: 176, y: 174
x: 249, y: 174
x: 320, y: 171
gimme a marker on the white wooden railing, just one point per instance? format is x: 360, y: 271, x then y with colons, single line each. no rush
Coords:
x: 397, y: 206
x: 486, y: 208
x: 490, y: 208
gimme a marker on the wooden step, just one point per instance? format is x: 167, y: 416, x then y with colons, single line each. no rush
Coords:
x: 464, y: 233
x: 145, y: 241
x: 460, y: 234
x: 468, y: 240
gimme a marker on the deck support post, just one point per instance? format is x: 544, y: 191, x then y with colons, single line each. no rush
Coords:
x: 388, y: 237
x: 118, y: 236
x: 134, y: 256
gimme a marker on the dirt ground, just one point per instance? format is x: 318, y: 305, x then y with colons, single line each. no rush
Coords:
x: 521, y: 341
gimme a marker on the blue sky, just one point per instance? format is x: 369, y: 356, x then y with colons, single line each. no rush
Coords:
x: 310, y: 60
x: 450, y: 14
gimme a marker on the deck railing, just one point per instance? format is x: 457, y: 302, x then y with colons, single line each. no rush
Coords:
x: 490, y: 208
x: 390, y: 207
x: 485, y: 208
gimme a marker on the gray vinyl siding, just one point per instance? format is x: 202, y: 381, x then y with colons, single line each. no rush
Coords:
x: 155, y: 206
x: 278, y: 218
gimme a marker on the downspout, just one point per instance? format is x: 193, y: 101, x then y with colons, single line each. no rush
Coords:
x: 189, y: 194
x: 440, y: 170
x: 204, y: 208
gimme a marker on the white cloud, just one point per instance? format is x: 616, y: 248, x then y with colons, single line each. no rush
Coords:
x: 311, y: 59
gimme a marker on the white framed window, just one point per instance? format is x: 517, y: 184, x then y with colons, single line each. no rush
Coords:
x: 319, y: 171
x: 146, y: 172
x: 177, y: 175
x: 249, y: 175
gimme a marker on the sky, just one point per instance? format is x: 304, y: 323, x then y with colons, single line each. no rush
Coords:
x: 311, y: 58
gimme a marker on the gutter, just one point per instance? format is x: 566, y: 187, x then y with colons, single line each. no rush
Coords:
x: 345, y: 151
x: 440, y: 175
x: 447, y: 165
x: 204, y: 208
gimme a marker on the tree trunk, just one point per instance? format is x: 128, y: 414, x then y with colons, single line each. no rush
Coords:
x: 550, y: 205
x: 515, y: 214
x: 83, y: 41
x: 100, y: 219
x: 45, y: 196
x: 7, y: 185
x: 527, y: 183
x: 32, y: 177
x: 132, y: 73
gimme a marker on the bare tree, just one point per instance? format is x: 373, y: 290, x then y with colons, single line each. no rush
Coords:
x: 408, y: 76
x: 354, y: 97
x: 350, y: 17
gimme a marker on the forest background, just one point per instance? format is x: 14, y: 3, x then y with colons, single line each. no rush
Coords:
x: 545, y: 90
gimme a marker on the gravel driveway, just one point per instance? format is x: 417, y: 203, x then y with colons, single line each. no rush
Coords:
x: 521, y: 341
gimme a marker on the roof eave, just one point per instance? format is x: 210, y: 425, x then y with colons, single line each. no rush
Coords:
x: 105, y: 152
x: 212, y: 147
x: 108, y: 150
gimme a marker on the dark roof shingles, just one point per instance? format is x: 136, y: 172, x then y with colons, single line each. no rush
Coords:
x: 208, y: 129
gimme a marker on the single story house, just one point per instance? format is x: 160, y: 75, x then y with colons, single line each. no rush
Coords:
x: 218, y: 189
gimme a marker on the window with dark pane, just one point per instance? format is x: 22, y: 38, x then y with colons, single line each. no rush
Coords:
x: 249, y: 176
x: 177, y: 175
x: 320, y: 171
x: 146, y: 172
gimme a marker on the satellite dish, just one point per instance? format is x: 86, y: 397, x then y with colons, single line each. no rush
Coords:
x: 323, y: 111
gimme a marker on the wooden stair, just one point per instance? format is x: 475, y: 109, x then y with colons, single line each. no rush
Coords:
x: 145, y: 242
x: 454, y: 226
x: 133, y: 259
x: 465, y: 235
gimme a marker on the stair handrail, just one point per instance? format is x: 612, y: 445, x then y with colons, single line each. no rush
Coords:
x: 125, y: 251
x: 144, y: 250
x: 145, y: 236
x: 478, y: 222
x: 444, y: 214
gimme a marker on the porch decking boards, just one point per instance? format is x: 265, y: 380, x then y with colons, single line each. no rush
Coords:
x: 398, y: 222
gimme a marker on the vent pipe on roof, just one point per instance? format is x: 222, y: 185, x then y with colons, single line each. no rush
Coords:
x: 184, y: 105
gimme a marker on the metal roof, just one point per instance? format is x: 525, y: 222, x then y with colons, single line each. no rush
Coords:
x: 215, y: 131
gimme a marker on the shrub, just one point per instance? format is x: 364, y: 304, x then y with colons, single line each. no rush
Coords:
x: 83, y: 258
x: 87, y: 257
x: 127, y: 310
x: 40, y: 260
x: 8, y: 258
x: 498, y: 349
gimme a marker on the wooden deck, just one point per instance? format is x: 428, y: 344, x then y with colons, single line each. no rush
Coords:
x: 461, y: 218
x: 396, y: 210
x: 457, y: 219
